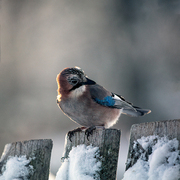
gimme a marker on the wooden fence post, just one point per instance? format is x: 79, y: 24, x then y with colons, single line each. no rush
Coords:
x: 107, y: 140
x: 169, y: 128
x: 39, y: 153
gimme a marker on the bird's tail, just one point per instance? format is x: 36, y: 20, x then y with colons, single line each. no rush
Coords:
x: 135, y: 111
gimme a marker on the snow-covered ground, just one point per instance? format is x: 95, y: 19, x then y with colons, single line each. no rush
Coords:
x: 16, y: 168
x: 160, y: 159
x: 81, y: 164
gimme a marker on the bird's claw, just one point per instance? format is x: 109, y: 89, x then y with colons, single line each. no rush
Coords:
x: 89, y: 131
x: 71, y: 133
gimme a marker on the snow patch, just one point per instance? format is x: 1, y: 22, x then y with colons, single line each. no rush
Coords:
x: 83, y: 163
x: 16, y: 168
x: 159, y: 159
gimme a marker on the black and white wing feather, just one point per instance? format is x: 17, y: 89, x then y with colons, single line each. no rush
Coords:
x: 106, y: 98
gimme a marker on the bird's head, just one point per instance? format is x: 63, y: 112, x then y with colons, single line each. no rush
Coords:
x: 72, y: 79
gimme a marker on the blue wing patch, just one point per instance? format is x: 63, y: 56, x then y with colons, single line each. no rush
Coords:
x: 107, y: 101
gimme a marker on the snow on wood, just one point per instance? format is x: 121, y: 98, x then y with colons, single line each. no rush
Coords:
x: 17, y: 167
x: 106, y: 140
x: 154, y: 151
x: 157, y: 159
x: 30, y: 156
x: 84, y: 162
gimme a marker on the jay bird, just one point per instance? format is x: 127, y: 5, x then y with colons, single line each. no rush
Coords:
x: 89, y: 104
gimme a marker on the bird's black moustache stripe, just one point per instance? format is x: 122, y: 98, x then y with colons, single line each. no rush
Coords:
x: 88, y: 82
x: 76, y: 86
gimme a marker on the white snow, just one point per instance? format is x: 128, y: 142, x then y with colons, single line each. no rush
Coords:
x: 81, y: 164
x: 16, y: 168
x: 163, y: 163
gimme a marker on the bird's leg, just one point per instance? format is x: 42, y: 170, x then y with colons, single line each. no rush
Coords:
x: 71, y: 133
x: 89, y: 131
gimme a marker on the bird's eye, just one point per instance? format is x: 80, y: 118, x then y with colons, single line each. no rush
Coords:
x: 73, y: 81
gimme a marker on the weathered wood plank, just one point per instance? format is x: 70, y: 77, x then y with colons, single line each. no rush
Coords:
x: 107, y: 140
x: 169, y: 128
x: 37, y: 150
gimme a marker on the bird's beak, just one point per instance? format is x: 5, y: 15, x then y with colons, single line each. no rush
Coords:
x: 89, y: 82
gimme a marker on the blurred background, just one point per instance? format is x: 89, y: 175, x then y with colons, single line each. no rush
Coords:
x: 130, y: 47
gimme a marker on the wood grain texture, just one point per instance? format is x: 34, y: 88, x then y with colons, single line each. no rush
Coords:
x: 107, y: 140
x: 40, y: 149
x: 169, y: 128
